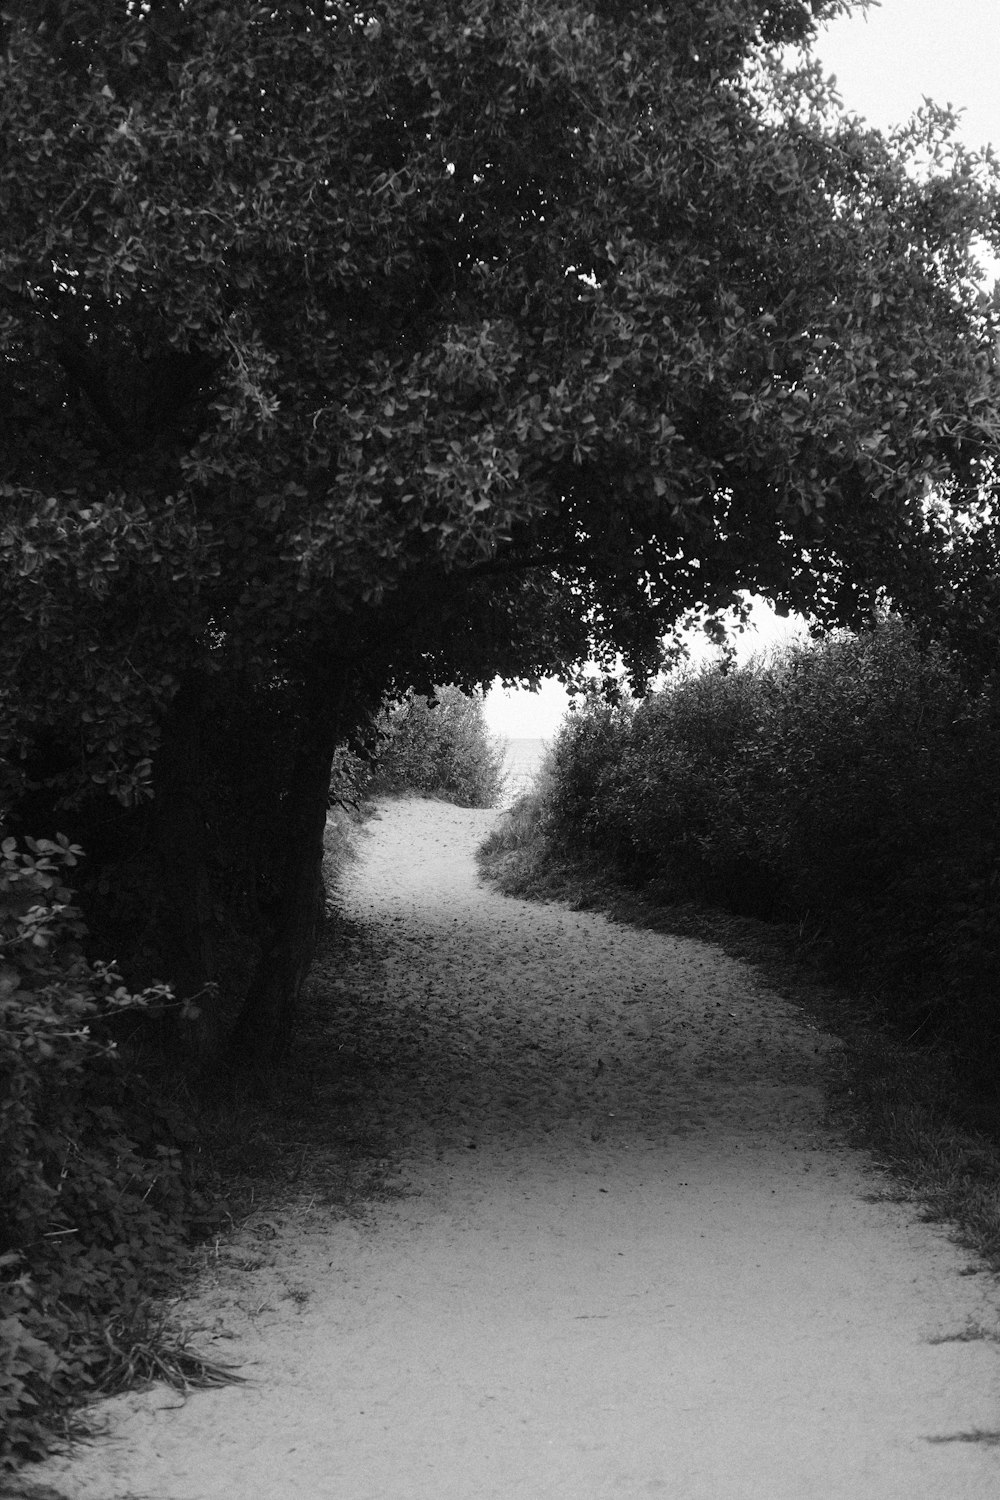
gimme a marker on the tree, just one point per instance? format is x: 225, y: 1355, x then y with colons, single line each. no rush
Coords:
x: 353, y: 351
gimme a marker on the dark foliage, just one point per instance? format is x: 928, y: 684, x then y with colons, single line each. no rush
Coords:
x: 343, y: 354
x: 97, y: 1200
x: 849, y: 787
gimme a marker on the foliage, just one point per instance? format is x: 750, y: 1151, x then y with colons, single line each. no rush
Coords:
x: 290, y: 334
x: 846, y: 786
x: 344, y: 354
x: 350, y: 777
x: 440, y: 746
x: 91, y: 1169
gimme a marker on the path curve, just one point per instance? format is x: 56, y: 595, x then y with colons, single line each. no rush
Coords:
x: 623, y: 1257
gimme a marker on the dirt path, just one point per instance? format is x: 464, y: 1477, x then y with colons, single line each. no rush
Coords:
x: 625, y: 1258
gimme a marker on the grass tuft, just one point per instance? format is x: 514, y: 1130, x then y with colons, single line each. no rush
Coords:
x: 144, y: 1345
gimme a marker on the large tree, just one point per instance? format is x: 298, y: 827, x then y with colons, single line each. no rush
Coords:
x: 344, y: 350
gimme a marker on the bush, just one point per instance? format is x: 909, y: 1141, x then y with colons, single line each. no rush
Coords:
x: 661, y: 786
x: 440, y: 747
x: 891, y: 818
x: 92, y: 1175
x: 847, y: 786
x: 578, y: 766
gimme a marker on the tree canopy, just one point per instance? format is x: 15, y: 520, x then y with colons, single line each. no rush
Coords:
x: 344, y: 350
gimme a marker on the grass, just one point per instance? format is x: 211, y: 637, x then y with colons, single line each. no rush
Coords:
x: 144, y: 1344
x: 909, y: 1105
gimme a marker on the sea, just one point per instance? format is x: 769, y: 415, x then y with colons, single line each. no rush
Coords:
x: 523, y: 759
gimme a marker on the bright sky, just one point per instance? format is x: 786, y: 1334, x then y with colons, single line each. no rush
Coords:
x: 888, y: 60
x: 885, y: 62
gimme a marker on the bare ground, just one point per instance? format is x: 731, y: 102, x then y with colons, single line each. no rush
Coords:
x: 618, y: 1252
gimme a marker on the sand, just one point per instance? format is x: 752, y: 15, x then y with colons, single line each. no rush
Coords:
x: 622, y: 1254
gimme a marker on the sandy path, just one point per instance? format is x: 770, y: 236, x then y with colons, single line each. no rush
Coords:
x: 625, y: 1258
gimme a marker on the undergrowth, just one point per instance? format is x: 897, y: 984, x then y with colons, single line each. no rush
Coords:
x: 100, y: 1206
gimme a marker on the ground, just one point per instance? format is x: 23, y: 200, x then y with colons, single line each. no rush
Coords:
x: 618, y: 1250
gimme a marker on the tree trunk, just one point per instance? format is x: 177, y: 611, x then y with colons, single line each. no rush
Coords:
x: 186, y: 912
x: 263, y: 1029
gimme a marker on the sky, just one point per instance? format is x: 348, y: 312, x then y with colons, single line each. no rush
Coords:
x: 885, y: 62
x: 949, y: 50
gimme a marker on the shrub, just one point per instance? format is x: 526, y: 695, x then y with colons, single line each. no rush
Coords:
x: 91, y: 1168
x: 891, y: 814
x: 848, y: 786
x: 660, y: 785
x: 441, y: 747
x: 578, y: 764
